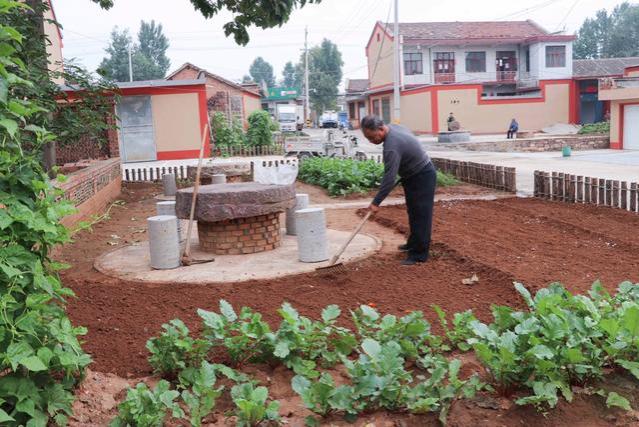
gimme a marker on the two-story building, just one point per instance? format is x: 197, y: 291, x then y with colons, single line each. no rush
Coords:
x: 485, y: 73
x: 623, y: 95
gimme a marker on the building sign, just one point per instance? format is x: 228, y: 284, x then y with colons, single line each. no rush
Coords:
x: 282, y: 93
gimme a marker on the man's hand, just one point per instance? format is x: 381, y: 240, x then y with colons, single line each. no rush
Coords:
x: 373, y: 208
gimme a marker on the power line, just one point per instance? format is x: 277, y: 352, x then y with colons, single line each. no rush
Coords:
x: 563, y: 21
x: 381, y: 46
x: 528, y: 9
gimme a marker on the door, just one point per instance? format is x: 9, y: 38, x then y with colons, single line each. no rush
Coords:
x: 506, y: 65
x: 444, y: 66
x: 631, y: 127
x: 136, y: 129
x: 362, y: 111
x: 386, y: 113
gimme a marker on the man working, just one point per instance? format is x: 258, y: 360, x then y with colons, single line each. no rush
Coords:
x: 404, y: 156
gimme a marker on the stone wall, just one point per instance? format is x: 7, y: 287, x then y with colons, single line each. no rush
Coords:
x: 91, y: 189
x: 538, y: 144
x: 88, y: 148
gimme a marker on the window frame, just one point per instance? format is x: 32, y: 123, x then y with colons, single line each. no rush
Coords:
x: 476, y: 61
x: 413, y: 66
x: 551, y: 57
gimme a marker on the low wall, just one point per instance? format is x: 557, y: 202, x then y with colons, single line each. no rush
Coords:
x: 91, y: 189
x: 538, y: 144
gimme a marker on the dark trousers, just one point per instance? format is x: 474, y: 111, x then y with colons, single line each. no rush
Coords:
x: 419, y: 190
x: 511, y: 133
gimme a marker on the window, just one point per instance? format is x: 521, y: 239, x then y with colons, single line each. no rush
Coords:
x: 351, y: 110
x: 386, y: 110
x: 476, y: 62
x: 555, y: 56
x: 413, y: 64
x: 376, y: 107
x: 527, y: 60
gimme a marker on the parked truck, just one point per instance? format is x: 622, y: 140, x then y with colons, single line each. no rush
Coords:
x: 328, y: 119
x: 330, y: 144
x: 287, y: 117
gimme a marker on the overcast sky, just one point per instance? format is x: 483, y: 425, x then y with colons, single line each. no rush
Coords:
x: 346, y: 22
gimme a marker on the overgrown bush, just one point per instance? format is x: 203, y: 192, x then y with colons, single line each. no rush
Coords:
x: 40, y: 356
x: 225, y: 135
x: 345, y: 176
x: 595, y: 128
x: 260, y: 128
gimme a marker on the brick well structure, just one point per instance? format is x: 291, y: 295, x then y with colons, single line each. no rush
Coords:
x: 240, y: 235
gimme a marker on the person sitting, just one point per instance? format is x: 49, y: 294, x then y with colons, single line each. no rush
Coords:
x: 450, y: 121
x: 512, y: 129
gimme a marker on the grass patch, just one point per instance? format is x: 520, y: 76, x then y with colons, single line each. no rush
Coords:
x: 345, y: 176
x: 595, y: 128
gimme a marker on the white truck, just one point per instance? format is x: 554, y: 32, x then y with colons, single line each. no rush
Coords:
x: 328, y: 119
x: 330, y: 144
x: 287, y: 117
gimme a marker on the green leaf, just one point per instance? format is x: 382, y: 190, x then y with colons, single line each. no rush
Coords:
x: 525, y: 294
x: 542, y: 352
x: 281, y: 350
x: 331, y: 312
x: 630, y: 320
x: 10, y: 125
x: 227, y: 311
x: 617, y: 400
x: 4, y: 417
x: 4, y: 91
x: 633, y: 367
x: 33, y: 363
x: 371, y: 348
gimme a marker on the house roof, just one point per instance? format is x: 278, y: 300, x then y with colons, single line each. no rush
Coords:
x: 459, y: 32
x: 604, y: 67
x: 356, y: 85
x: 211, y: 75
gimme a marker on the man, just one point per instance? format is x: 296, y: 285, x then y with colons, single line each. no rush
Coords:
x: 404, y: 156
x: 450, y: 121
x: 512, y: 129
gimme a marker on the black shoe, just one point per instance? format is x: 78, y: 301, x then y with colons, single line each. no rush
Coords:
x: 412, y: 261
x: 404, y: 247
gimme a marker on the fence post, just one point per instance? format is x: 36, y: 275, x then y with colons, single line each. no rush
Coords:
x: 580, y: 189
x: 555, y: 185
x: 615, y: 194
x: 536, y: 184
x: 602, y: 192
x: 587, y: 189
x: 633, y: 197
x: 608, y: 192
x: 561, y: 187
x: 624, y: 195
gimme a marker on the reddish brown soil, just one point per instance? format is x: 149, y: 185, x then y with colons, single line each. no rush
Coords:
x: 500, y: 241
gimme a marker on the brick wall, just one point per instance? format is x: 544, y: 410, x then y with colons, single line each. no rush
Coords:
x: 535, y: 144
x: 92, y: 189
x: 241, y: 235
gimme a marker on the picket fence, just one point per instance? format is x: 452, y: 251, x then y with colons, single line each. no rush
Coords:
x: 497, y: 177
x: 563, y: 187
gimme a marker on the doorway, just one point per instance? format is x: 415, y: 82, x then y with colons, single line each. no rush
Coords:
x: 506, y: 66
x: 136, y: 129
x: 444, y: 66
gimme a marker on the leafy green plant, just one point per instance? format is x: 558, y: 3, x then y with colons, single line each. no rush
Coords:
x: 410, y: 332
x: 175, y: 350
x: 460, y: 331
x: 148, y: 408
x: 260, y: 128
x: 200, y: 399
x: 251, y: 406
x: 246, y: 337
x: 40, y: 356
x: 595, y: 128
x: 225, y: 134
x: 300, y: 340
x: 323, y: 397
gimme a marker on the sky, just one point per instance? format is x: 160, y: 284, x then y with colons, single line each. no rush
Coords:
x: 348, y: 23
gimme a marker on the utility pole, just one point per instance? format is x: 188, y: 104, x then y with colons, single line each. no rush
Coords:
x: 130, y: 66
x: 396, y: 67
x: 307, y: 108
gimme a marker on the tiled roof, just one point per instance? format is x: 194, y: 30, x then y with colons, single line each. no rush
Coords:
x: 211, y: 75
x: 604, y: 67
x: 469, y: 30
x: 357, y: 85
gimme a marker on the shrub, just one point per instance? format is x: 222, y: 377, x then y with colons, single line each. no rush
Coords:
x: 148, y: 408
x: 260, y: 128
x: 595, y: 128
x: 225, y: 135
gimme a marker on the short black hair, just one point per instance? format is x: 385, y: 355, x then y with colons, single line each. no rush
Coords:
x: 372, y: 122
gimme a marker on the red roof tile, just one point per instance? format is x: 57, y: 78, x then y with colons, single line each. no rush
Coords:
x: 496, y: 30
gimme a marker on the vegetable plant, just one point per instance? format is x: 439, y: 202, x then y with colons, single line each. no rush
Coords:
x: 148, y: 408
x: 200, y: 398
x: 175, y: 350
x: 251, y: 405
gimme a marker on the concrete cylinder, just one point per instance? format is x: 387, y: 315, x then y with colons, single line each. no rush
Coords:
x: 312, y: 242
x: 168, y: 208
x: 301, y: 202
x: 218, y: 178
x: 164, y: 243
x: 169, y: 183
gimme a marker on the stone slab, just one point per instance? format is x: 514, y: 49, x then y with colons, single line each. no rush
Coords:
x: 132, y: 262
x: 453, y: 136
x: 228, y: 169
x: 219, y: 202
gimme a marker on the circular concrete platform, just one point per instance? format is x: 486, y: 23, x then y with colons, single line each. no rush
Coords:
x: 132, y: 262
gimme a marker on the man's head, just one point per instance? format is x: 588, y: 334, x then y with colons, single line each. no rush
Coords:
x: 374, y: 129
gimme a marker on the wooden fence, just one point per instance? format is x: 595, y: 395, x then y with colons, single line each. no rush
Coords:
x: 267, y: 150
x: 151, y: 174
x: 498, y: 177
x: 569, y: 188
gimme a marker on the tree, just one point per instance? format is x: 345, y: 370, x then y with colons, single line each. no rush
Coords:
x: 325, y: 74
x: 263, y: 14
x: 148, y: 57
x: 153, y: 45
x: 247, y: 79
x: 613, y: 35
x: 262, y: 71
x: 289, y: 75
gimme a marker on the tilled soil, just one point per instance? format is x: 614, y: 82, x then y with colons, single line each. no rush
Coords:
x: 501, y: 241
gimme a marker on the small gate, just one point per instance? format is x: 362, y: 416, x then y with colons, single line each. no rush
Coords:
x: 136, y: 129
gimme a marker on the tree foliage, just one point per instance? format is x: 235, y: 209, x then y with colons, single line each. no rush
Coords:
x: 148, y: 55
x: 263, y: 14
x: 325, y: 74
x: 262, y: 71
x: 609, y: 35
x: 289, y: 75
